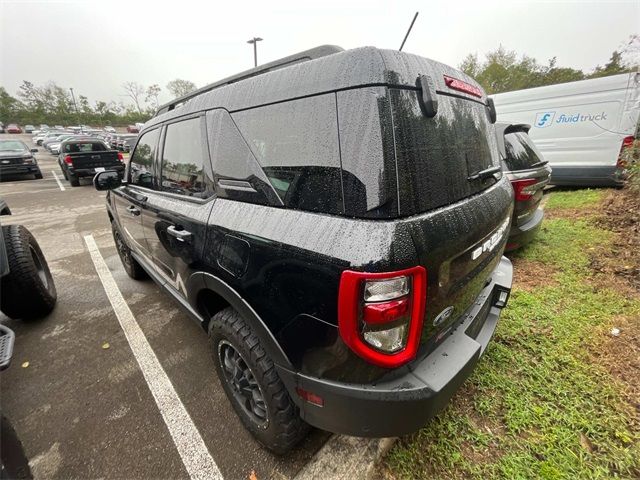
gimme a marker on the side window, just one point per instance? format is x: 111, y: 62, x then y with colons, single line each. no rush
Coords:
x: 296, y: 144
x: 140, y: 165
x: 183, y: 160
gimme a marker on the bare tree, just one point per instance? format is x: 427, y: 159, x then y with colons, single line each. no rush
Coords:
x: 152, y: 95
x: 179, y: 87
x: 135, y: 92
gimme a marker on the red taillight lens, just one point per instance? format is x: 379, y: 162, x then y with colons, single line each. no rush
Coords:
x: 627, y: 142
x: 524, y: 189
x: 68, y: 160
x: 380, y: 315
x: 120, y: 157
x: 455, y: 84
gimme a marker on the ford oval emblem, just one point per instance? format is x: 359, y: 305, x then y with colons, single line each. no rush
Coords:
x: 443, y: 316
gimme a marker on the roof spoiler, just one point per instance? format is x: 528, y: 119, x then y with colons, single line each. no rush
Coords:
x: 312, y: 54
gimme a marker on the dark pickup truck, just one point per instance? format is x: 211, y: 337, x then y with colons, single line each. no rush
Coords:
x: 86, y: 157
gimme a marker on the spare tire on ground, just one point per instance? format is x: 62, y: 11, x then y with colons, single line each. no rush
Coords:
x: 27, y: 292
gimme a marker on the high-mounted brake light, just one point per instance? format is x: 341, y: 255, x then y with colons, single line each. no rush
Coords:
x: 120, y: 157
x: 455, y: 84
x: 627, y: 142
x: 380, y: 315
x: 68, y: 160
x: 525, y: 188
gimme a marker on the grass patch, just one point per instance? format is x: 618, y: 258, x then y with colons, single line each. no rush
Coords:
x: 538, y: 406
x: 563, y: 199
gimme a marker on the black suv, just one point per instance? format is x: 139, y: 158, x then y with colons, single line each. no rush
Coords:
x: 335, y: 220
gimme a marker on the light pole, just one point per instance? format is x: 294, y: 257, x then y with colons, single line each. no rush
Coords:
x: 255, y: 41
x: 73, y: 97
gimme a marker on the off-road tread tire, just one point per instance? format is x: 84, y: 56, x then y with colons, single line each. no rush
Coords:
x: 285, y: 428
x: 38, y: 176
x: 135, y: 271
x: 73, y: 180
x: 22, y: 293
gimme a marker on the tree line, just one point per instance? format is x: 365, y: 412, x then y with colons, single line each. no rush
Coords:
x: 53, y: 104
x: 501, y: 70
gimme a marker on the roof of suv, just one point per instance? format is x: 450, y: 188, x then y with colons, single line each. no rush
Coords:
x: 326, y: 69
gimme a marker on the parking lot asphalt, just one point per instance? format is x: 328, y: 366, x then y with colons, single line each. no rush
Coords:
x: 82, y: 407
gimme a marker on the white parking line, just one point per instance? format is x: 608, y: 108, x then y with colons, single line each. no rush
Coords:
x: 58, y: 180
x: 194, y: 453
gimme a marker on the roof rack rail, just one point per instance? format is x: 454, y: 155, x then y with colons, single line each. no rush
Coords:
x: 312, y: 54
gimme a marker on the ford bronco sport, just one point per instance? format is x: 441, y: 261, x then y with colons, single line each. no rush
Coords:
x: 335, y: 220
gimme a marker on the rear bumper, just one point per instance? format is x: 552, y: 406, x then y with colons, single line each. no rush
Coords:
x: 599, y: 176
x: 404, y: 404
x: 90, y: 172
x: 520, y: 235
x: 19, y: 169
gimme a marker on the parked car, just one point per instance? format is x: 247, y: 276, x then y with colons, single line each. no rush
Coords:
x: 86, y: 157
x: 49, y: 134
x: 582, y: 128
x: 56, y: 138
x: 337, y: 231
x: 18, y: 159
x: 109, y: 129
x: 29, y: 128
x: 122, y: 139
x: 13, y: 128
x: 58, y: 127
x: 44, y: 126
x: 528, y: 173
x: 54, y: 147
x: 132, y: 129
x: 128, y: 144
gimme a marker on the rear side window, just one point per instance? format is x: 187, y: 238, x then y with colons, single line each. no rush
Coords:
x: 521, y: 151
x: 296, y: 144
x: 141, y: 164
x: 183, y: 160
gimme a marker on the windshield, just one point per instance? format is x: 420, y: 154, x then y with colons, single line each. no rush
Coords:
x: 12, y: 146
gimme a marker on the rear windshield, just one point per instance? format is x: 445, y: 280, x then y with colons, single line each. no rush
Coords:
x: 437, y: 156
x: 521, y: 151
x: 84, y: 147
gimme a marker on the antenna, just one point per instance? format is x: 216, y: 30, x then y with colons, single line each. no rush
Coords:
x: 409, y: 31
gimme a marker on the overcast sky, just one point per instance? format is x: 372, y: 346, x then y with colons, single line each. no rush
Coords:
x: 95, y: 46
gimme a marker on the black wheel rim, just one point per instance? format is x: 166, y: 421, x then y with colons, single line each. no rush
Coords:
x: 243, y: 383
x: 42, y: 274
x: 123, y: 250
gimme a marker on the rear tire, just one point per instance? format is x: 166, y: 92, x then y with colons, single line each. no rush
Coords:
x: 28, y: 291
x: 252, y: 385
x: 38, y: 176
x: 131, y: 266
x: 73, y: 180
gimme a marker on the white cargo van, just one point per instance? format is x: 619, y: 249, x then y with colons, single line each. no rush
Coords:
x: 580, y: 127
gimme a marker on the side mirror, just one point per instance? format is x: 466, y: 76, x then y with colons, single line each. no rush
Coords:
x: 34, y: 150
x: 107, y: 180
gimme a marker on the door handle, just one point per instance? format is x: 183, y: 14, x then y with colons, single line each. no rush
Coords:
x: 180, y: 235
x: 133, y: 211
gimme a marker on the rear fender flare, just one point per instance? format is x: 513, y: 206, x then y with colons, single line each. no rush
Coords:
x: 200, y: 281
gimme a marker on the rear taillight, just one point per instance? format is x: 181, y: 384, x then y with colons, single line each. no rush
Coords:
x: 524, y: 189
x: 380, y: 315
x: 627, y: 142
x: 68, y: 160
x: 120, y: 157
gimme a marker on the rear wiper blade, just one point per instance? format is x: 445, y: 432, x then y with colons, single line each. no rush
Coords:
x: 488, y: 172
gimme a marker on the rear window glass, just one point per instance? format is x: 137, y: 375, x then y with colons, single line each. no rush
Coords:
x: 521, y: 151
x: 438, y: 157
x: 296, y: 143
x: 85, y: 147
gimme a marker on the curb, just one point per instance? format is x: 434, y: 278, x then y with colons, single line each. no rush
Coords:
x: 346, y: 458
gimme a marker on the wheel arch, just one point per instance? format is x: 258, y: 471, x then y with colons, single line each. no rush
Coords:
x: 209, y: 294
